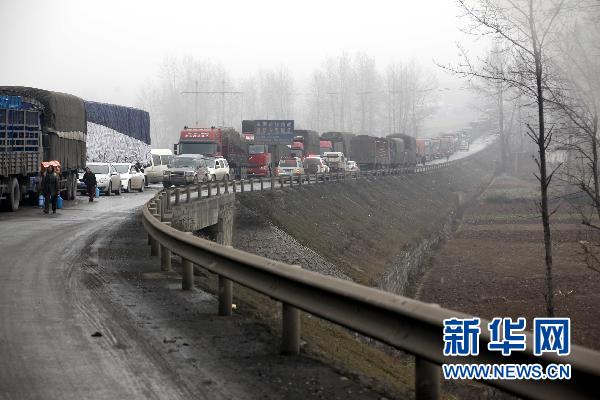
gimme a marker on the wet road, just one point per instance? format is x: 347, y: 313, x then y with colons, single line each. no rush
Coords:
x: 46, y: 320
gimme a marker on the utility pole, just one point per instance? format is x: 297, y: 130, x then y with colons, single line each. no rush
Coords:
x: 222, y: 92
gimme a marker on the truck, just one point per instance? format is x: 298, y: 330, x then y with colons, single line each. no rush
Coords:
x: 410, y: 148
x: 336, y: 161
x: 262, y: 158
x: 306, y: 142
x: 424, y: 150
x: 370, y: 152
x: 39, y: 126
x: 214, y: 142
x: 339, y: 140
x: 325, y: 146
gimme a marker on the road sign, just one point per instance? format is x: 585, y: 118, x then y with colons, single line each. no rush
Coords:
x: 274, y: 132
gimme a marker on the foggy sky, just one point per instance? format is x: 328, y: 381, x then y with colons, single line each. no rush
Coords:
x: 106, y: 50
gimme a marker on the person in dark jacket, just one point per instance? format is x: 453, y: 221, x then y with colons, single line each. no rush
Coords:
x: 50, y: 189
x: 89, y: 178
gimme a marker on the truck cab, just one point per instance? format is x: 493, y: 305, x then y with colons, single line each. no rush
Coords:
x: 336, y: 161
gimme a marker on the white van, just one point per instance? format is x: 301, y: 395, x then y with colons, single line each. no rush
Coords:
x: 161, y: 158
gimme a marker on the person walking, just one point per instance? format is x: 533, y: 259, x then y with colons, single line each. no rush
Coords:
x: 50, y: 189
x: 89, y: 178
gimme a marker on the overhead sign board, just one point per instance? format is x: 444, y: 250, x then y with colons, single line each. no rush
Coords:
x: 274, y: 132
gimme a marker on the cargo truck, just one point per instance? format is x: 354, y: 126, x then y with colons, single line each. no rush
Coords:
x: 340, y: 141
x: 35, y: 126
x: 262, y: 158
x: 410, y: 148
x: 370, y: 152
x: 306, y: 143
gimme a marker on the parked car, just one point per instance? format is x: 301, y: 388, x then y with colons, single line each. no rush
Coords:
x: 290, y: 167
x: 218, y: 169
x: 108, y: 178
x: 352, y: 166
x: 315, y: 165
x: 186, y: 169
x: 131, y: 177
x: 160, y: 160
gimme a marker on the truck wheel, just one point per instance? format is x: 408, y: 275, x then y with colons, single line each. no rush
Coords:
x: 213, y: 178
x: 143, y: 185
x: 226, y: 177
x: 13, y: 195
x: 118, y: 191
x: 109, y: 190
x: 128, y: 190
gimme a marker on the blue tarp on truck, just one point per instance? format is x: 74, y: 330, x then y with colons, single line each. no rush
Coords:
x: 129, y: 121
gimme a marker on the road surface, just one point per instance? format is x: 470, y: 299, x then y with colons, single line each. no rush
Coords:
x: 87, y: 269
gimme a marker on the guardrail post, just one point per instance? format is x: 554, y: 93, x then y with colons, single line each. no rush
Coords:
x: 233, y: 186
x: 300, y: 179
x: 291, y: 181
x: 261, y: 184
x: 165, y: 258
x: 209, y: 189
x: 168, y: 200
x: 162, y: 206
x: 177, y: 195
x: 188, y: 193
x: 218, y: 188
x: 272, y: 182
x: 290, y: 328
x: 226, y: 186
x: 188, y: 274
x: 199, y: 188
x: 280, y: 182
x: 427, y: 380
x: 251, y: 184
x: 242, y: 184
x: 225, y: 296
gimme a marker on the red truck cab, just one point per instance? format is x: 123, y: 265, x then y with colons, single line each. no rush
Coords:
x: 259, y: 157
x: 205, y: 141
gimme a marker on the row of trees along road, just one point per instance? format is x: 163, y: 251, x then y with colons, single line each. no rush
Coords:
x: 345, y: 93
x: 544, y: 63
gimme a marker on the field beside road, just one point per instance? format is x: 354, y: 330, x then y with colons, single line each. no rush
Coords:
x: 494, y: 264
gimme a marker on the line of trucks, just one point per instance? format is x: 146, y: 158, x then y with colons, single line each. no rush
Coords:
x: 336, y: 148
x: 40, y: 127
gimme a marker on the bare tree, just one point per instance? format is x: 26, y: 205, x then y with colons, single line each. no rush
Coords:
x: 577, y: 100
x: 524, y: 27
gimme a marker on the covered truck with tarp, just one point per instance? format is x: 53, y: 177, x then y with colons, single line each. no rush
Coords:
x: 339, y: 140
x: 370, y: 152
x: 117, y: 133
x: 35, y: 126
x: 410, y: 149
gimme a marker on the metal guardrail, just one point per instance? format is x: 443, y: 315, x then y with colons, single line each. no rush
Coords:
x: 403, y: 323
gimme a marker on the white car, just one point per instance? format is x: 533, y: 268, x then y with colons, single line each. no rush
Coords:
x: 161, y: 158
x: 108, y: 179
x: 315, y: 165
x: 131, y: 177
x: 218, y: 169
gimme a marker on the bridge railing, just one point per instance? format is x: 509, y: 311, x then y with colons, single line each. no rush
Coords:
x: 403, y: 323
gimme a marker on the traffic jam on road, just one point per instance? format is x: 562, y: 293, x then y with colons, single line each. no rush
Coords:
x: 113, y: 143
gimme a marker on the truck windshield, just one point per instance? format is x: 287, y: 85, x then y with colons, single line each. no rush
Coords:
x: 99, y: 169
x: 184, y: 162
x: 122, y: 168
x: 198, y: 148
x: 256, y: 149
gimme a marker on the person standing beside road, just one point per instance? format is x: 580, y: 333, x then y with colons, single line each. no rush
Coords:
x: 89, y: 178
x: 50, y: 189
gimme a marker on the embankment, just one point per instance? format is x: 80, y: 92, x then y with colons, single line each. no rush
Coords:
x: 375, y: 231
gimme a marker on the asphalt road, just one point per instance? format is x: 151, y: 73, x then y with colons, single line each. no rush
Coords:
x: 47, y: 316
x: 87, y: 269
